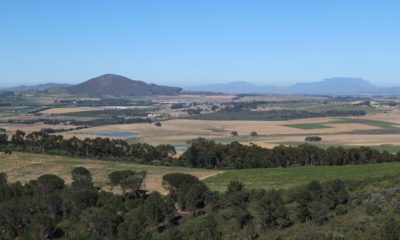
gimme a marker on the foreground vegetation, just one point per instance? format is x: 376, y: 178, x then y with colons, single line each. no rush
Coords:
x: 47, y: 208
x: 27, y: 166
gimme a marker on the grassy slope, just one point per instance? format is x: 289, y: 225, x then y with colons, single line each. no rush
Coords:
x: 289, y: 177
x: 26, y: 166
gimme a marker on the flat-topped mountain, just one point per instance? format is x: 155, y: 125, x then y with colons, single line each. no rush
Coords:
x: 334, y: 86
x: 329, y: 86
x: 111, y: 84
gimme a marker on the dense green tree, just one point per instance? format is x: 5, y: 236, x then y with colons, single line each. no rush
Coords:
x: 134, y: 226
x: 17, y: 140
x: 272, y: 210
x: 81, y: 179
x: 335, y: 192
x: 119, y: 178
x: 173, y: 181
x: 3, y: 139
x: 42, y: 227
x: 236, y: 196
x: 3, y: 178
x: 49, y: 183
x: 153, y: 209
x: 196, y: 197
x: 102, y: 222
x: 83, y: 199
x: 203, y: 228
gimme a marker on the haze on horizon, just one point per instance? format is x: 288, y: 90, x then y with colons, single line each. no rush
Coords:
x: 188, y: 43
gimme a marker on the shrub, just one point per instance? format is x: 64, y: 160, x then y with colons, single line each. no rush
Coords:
x: 313, y: 139
x: 173, y: 181
x: 374, y: 203
x: 391, y: 229
x: 341, y: 209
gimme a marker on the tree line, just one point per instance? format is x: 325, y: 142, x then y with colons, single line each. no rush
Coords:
x: 47, y: 208
x: 208, y: 154
x: 202, y: 153
x: 99, y: 148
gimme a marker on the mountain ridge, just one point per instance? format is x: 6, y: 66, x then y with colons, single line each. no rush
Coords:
x: 113, y: 84
x: 328, y: 86
x: 42, y: 86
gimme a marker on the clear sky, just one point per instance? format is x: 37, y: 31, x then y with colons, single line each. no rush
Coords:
x: 196, y: 42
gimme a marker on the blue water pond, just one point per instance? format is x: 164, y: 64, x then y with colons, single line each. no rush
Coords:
x: 181, y: 147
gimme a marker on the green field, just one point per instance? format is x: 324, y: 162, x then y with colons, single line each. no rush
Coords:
x: 369, y: 122
x: 374, y: 123
x: 293, y: 176
x: 25, y: 166
x: 308, y: 126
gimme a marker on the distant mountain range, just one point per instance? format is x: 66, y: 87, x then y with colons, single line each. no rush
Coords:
x: 43, y: 86
x: 111, y: 84
x: 330, y: 86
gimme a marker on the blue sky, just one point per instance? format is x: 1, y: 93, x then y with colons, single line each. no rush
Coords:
x: 189, y: 43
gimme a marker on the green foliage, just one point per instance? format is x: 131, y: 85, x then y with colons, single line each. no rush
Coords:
x: 391, y: 229
x: 3, y: 139
x: 284, y: 178
x: 42, y: 226
x: 157, y: 209
x: 100, y: 221
x: 81, y: 179
x: 335, y: 193
x: 100, y: 148
x: 313, y: 139
x: 127, y: 180
x: 208, y: 154
x: 29, y: 211
x: 203, y: 228
x: 272, y: 210
x: 173, y: 181
x: 3, y: 178
x: 253, y: 134
x: 49, y: 183
x: 236, y: 196
x: 341, y: 209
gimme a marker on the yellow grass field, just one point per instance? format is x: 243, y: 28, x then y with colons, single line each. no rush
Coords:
x: 67, y: 110
x: 27, y: 166
x: 28, y: 128
x: 271, y: 133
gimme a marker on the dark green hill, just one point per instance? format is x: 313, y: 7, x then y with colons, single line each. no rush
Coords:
x: 111, y: 84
